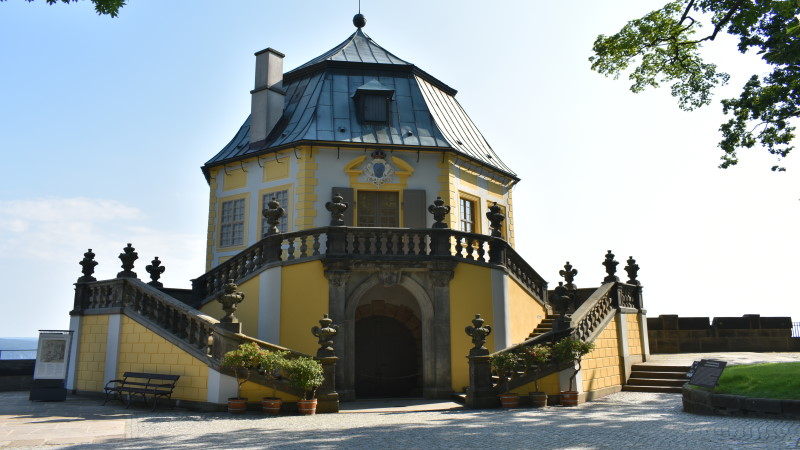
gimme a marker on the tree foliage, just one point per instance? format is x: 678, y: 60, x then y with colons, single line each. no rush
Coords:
x: 664, y: 47
x: 110, y: 7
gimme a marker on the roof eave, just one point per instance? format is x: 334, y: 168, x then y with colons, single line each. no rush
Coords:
x: 266, y: 150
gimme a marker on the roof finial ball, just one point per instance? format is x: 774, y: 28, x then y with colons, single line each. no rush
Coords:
x: 359, y: 20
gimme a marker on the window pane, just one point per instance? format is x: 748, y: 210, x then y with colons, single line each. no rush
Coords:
x: 467, y: 215
x: 378, y: 209
x: 232, y: 223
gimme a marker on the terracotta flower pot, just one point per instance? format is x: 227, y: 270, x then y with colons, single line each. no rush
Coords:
x: 307, y: 407
x: 237, y: 405
x: 509, y: 400
x: 271, y: 405
x: 538, y: 399
x: 569, y: 398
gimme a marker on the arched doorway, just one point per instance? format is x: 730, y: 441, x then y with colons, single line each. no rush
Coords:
x: 388, y: 354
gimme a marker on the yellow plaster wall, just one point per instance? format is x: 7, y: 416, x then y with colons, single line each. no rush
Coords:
x: 470, y: 294
x: 276, y: 168
x: 306, y: 189
x: 525, y: 312
x: 510, y: 220
x: 234, y: 179
x: 548, y: 384
x: 141, y: 350
x: 447, y: 190
x: 634, y: 334
x: 92, y: 353
x: 246, y: 311
x: 304, y: 299
x: 255, y: 392
x: 601, y: 367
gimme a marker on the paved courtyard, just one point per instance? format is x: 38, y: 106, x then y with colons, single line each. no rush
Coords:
x: 622, y: 420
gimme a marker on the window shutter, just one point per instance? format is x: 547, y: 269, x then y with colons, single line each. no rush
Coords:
x: 347, y: 195
x: 414, y: 212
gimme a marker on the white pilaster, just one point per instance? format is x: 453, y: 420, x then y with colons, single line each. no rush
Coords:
x: 220, y: 387
x: 501, y: 328
x: 72, y: 369
x: 622, y: 341
x: 269, y: 311
x: 112, y: 347
x: 645, y: 338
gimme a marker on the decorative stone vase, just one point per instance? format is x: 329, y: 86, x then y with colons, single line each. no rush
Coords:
x: 307, y: 407
x: 237, y: 405
x: 509, y: 400
x: 538, y: 399
x: 271, y: 405
x: 569, y: 398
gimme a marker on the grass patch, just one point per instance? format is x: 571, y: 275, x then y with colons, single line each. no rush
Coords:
x: 770, y: 380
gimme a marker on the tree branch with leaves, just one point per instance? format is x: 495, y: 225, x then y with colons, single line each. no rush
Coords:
x: 664, y: 47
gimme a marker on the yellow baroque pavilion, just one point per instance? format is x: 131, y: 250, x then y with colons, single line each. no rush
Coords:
x: 357, y: 187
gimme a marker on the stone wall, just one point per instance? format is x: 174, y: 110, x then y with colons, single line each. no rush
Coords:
x: 749, y: 333
x: 16, y: 374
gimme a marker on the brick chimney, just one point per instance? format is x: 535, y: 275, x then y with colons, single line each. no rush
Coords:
x: 267, y: 96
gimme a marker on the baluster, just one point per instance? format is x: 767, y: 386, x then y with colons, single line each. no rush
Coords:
x: 470, y: 250
x: 481, y: 251
x: 315, y: 246
x: 290, y: 250
x: 459, y: 247
x: 304, y: 246
x: 390, y: 243
x: 367, y: 244
x: 257, y: 259
x: 248, y: 262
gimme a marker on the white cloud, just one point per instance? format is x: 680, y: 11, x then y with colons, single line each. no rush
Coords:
x: 42, y: 240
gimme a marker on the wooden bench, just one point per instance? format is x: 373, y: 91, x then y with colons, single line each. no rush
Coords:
x: 141, y: 384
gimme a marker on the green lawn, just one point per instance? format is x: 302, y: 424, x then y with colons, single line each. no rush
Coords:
x: 770, y: 380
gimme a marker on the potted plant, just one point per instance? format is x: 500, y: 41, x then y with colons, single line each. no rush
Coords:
x: 571, y: 350
x: 534, y: 358
x: 243, y: 361
x: 305, y: 374
x: 271, y: 364
x: 505, y: 366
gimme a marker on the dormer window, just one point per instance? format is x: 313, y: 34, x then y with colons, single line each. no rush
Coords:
x: 374, y: 102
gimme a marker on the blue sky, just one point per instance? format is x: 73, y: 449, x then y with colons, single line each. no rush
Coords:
x: 104, y: 124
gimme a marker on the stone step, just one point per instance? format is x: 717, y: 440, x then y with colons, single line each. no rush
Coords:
x: 659, y: 368
x: 655, y: 382
x: 662, y: 375
x: 460, y: 398
x: 660, y: 389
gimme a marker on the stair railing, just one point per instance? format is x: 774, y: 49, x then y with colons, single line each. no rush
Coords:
x: 180, y: 324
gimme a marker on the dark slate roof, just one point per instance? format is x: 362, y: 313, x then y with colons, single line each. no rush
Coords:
x: 358, y: 48
x: 319, y: 107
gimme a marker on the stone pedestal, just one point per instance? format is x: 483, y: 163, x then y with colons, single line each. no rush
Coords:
x: 327, y: 397
x: 231, y: 326
x: 480, y: 393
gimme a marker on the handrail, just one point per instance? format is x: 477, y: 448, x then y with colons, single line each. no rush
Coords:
x: 368, y: 243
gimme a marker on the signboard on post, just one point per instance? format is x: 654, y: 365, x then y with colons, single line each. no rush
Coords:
x: 706, y: 373
x: 52, y: 359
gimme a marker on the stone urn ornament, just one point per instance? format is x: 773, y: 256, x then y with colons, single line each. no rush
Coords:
x: 478, y: 332
x: 325, y: 333
x: 230, y: 299
x: 273, y: 213
x: 439, y: 210
x: 337, y: 208
x: 87, y: 264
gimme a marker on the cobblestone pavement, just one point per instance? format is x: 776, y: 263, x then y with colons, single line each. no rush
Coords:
x: 622, y: 420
